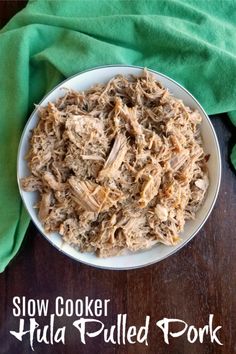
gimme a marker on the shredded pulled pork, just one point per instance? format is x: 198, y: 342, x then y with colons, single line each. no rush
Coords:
x: 120, y: 166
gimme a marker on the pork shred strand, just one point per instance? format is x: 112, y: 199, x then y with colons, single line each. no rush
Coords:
x: 120, y: 166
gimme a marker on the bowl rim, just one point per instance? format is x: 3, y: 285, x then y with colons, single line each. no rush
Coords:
x: 182, y: 244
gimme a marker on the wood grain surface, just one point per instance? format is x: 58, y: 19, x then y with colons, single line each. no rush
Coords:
x: 197, y: 281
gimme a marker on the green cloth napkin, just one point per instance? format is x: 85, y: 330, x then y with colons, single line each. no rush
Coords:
x: 193, y: 42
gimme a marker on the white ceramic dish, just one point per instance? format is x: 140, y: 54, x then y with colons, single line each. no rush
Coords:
x: 83, y: 81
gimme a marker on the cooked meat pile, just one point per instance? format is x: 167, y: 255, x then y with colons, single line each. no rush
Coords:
x: 120, y: 166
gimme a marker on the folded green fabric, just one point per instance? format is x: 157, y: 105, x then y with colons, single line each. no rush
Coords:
x: 192, y: 41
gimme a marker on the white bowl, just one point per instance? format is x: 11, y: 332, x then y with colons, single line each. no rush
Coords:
x: 84, y: 81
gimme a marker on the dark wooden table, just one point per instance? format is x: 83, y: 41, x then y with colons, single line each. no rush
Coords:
x: 197, y: 281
